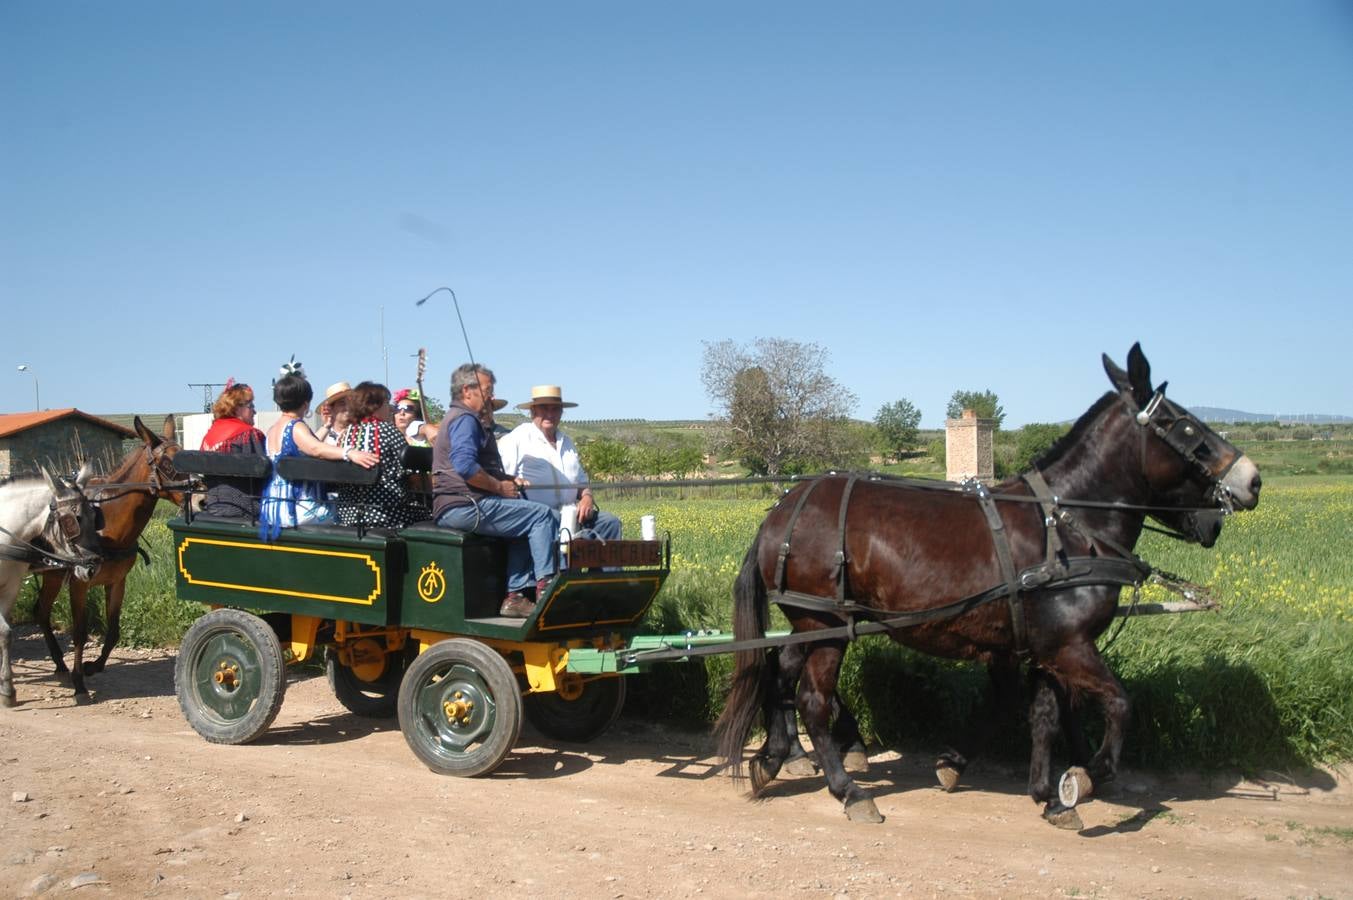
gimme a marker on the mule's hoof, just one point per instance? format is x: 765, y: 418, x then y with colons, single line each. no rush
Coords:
x: 800, y: 765
x: 947, y: 774
x: 762, y: 774
x: 82, y: 698
x: 6, y: 700
x: 1074, y: 786
x: 1063, y: 817
x: 856, y: 762
x: 863, y: 810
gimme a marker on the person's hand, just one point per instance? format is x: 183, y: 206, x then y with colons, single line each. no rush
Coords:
x: 508, y: 488
x: 364, y: 458
x: 587, y: 509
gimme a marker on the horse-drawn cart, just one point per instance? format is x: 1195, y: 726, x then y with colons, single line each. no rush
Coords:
x: 407, y: 621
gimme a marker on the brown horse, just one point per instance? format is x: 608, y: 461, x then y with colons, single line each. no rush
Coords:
x: 992, y: 581
x: 127, y: 497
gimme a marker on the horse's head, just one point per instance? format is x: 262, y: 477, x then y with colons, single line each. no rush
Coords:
x: 73, y: 523
x: 160, y: 449
x: 1186, y: 464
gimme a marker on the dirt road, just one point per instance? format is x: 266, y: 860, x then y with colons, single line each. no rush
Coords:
x: 122, y: 799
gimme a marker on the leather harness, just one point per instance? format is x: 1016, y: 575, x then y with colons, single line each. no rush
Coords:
x: 1057, y: 572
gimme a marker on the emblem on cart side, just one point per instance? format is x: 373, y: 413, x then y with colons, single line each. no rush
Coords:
x: 431, y: 583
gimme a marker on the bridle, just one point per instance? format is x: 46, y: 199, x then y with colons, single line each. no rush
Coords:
x: 163, y: 476
x: 62, y: 529
x: 1179, y: 430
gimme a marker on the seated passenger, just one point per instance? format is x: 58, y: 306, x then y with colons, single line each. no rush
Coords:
x: 385, y: 503
x: 409, y: 418
x: 287, y: 504
x: 542, y: 454
x: 232, y: 431
x: 471, y: 492
x: 328, y: 429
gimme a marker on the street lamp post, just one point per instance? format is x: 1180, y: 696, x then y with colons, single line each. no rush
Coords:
x: 37, y: 395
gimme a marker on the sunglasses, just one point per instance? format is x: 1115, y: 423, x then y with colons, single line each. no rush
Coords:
x: 407, y: 409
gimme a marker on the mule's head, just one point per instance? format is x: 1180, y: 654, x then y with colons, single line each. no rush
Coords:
x: 73, y: 523
x: 1186, y: 464
x: 160, y: 449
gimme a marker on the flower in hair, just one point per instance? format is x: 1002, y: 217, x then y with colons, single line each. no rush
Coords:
x: 230, y: 382
x: 292, y: 367
x: 401, y: 394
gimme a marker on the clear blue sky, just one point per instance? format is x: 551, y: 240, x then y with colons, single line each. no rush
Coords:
x: 944, y: 195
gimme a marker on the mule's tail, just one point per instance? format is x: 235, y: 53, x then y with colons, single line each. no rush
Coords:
x: 751, y: 675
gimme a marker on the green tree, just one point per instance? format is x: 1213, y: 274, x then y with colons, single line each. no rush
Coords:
x: 604, y: 458
x: 984, y: 403
x: 898, y: 424
x: 1034, y: 440
x: 778, y: 409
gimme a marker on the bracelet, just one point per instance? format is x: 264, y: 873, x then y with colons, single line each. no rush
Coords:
x: 345, y: 454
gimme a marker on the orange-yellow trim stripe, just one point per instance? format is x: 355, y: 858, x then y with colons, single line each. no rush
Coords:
x: 366, y: 558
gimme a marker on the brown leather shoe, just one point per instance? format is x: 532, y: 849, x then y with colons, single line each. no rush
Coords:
x: 516, y: 606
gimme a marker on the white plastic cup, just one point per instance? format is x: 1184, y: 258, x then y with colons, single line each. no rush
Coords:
x: 648, y: 528
x: 568, y: 522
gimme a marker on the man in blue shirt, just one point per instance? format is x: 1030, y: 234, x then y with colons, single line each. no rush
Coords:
x: 471, y: 492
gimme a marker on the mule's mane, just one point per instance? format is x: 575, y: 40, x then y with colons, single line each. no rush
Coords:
x: 123, y: 468
x: 1073, y: 437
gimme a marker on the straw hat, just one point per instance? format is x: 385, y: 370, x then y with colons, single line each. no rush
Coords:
x: 546, y: 393
x: 336, y: 391
x: 499, y: 403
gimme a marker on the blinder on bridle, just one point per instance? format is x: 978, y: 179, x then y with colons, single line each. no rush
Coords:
x: 1187, y: 436
x: 66, y: 512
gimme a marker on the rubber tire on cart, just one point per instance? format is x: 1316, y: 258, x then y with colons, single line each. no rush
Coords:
x: 377, y: 699
x: 582, y: 719
x: 459, y: 708
x: 230, y: 676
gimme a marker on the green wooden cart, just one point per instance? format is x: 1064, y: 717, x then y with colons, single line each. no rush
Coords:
x: 406, y: 621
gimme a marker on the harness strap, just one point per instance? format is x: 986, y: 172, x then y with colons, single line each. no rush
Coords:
x: 840, y: 572
x: 783, y: 559
x: 1076, y: 572
x: 1048, y: 505
x: 1019, y: 631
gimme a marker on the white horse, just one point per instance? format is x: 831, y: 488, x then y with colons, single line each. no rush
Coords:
x: 43, y: 522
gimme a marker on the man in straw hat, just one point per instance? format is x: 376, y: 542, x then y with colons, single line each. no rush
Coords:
x: 546, y: 457
x: 472, y: 492
x: 326, y: 431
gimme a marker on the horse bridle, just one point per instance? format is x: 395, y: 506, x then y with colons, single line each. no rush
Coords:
x: 1185, y: 435
x: 59, y: 512
x: 161, y: 480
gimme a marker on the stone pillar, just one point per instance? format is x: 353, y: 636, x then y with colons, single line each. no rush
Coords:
x: 967, y: 448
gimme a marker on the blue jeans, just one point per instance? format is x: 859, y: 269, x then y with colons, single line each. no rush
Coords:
x: 605, y: 527
x: 534, y: 528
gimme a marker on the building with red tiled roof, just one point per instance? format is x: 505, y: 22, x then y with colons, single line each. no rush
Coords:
x: 59, y: 439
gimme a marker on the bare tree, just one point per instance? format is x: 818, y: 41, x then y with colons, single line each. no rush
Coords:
x: 779, y: 410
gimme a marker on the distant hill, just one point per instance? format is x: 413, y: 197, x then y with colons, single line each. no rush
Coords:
x: 1220, y: 414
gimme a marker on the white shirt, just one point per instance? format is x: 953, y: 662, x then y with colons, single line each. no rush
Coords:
x: 554, y: 470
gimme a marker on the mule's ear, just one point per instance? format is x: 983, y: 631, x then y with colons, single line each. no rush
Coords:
x: 83, y: 477
x: 1117, y: 376
x: 51, y: 482
x: 1139, y: 373
x: 168, y: 431
x: 143, y: 432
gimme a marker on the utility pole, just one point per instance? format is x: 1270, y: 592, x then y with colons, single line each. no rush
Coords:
x: 385, y: 351
x: 206, y: 393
